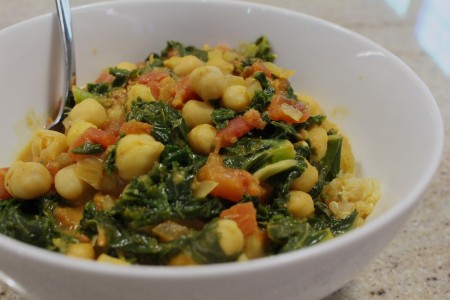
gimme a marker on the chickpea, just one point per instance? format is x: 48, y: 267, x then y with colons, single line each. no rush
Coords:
x: 208, y: 82
x: 89, y: 110
x: 306, y: 181
x: 300, y: 204
x: 236, y: 98
x: 186, y: 65
x: 318, y: 139
x: 182, y: 259
x: 48, y: 144
x: 81, y: 250
x: 136, y: 154
x: 105, y: 258
x: 234, y: 80
x: 139, y: 91
x: 172, y: 62
x: 231, y: 238
x: 222, y: 64
x: 77, y: 128
x: 70, y: 186
x: 254, y: 245
x: 28, y: 180
x: 116, y: 112
x: 126, y: 66
x: 201, y: 139
x: 196, y: 112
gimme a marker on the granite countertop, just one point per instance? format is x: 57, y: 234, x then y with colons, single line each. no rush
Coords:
x: 416, y: 264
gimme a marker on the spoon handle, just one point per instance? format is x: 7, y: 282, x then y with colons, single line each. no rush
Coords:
x: 65, y: 22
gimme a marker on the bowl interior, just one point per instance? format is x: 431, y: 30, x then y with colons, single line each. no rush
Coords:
x: 389, y: 115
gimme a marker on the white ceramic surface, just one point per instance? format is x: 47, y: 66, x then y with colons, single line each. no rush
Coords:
x: 390, y: 117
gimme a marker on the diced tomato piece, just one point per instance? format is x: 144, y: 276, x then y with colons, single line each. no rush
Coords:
x: 238, y: 127
x: 233, y: 184
x: 135, y: 127
x: 287, y: 110
x: 92, y: 135
x: 183, y: 92
x: 52, y: 166
x: 113, y: 127
x: 259, y: 67
x: 153, y: 80
x: 3, y: 192
x: 244, y: 214
x: 281, y: 85
x: 105, y: 77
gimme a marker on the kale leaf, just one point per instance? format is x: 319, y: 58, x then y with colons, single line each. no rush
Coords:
x: 221, y: 116
x: 169, y: 126
x: 290, y: 234
x: 182, y: 50
x: 31, y: 222
x: 164, y: 194
x: 323, y: 218
x: 88, y: 148
x: 329, y: 165
x: 252, y: 154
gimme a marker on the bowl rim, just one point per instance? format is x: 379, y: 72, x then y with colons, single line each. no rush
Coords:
x: 410, y: 200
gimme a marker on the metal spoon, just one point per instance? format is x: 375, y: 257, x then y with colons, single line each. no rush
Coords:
x: 65, y: 22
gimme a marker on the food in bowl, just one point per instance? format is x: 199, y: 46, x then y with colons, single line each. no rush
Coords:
x: 194, y: 156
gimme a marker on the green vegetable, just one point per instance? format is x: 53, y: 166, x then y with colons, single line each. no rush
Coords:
x: 261, y: 77
x: 182, y: 50
x: 109, y: 164
x: 329, y: 166
x: 88, y: 148
x: 264, y: 49
x: 80, y: 94
x: 118, y: 237
x: 31, y: 222
x: 168, y: 124
x: 275, y: 168
x: 260, y: 49
x: 205, y: 246
x: 289, y: 234
x: 121, y: 77
x: 98, y: 88
x: 221, y: 116
x: 252, y: 154
x: 323, y: 219
x: 161, y: 195
x: 262, y: 99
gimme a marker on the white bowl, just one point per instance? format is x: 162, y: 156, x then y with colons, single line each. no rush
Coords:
x: 390, y: 116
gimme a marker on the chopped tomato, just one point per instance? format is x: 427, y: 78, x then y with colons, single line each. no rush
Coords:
x: 135, y: 127
x: 287, y: 110
x: 153, y: 80
x: 52, y: 166
x: 167, y: 89
x: 3, y: 192
x: 113, y: 127
x: 281, y: 85
x: 238, y: 127
x: 244, y: 214
x: 259, y: 67
x: 183, y: 92
x: 233, y: 184
x: 105, y: 77
x: 92, y: 135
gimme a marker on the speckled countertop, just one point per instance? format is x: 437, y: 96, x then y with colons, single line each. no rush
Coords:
x: 416, y: 264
